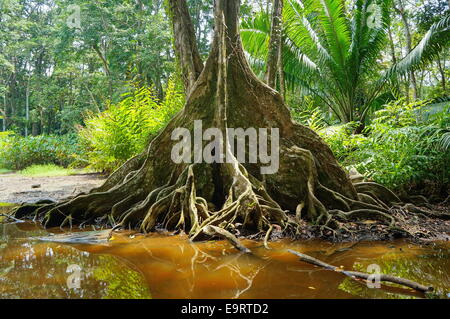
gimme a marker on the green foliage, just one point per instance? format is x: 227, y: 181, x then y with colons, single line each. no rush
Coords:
x: 397, y: 148
x: 445, y: 141
x: 434, y: 41
x: 342, y: 140
x: 333, y: 53
x: 123, y: 130
x: 307, y: 113
x: 17, y: 152
x: 68, y: 70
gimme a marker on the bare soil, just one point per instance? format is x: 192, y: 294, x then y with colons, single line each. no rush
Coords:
x: 16, y: 188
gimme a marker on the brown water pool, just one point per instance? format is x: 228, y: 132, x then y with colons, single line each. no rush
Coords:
x: 163, y: 266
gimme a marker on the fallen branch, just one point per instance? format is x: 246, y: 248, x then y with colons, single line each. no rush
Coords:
x: 361, y: 275
x: 11, y: 217
x: 220, y: 232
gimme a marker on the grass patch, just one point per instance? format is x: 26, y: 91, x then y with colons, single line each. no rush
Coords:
x: 5, y: 171
x: 5, y: 204
x: 47, y: 170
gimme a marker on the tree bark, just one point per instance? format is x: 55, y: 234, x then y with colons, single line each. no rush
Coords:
x: 392, y: 46
x: 273, y: 57
x: 4, y: 113
x: 27, y: 107
x: 442, y: 73
x: 185, y: 43
x: 403, y: 15
x: 102, y: 58
x: 105, y: 66
x: 281, y: 78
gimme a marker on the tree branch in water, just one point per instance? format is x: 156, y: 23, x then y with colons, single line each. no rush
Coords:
x: 361, y: 275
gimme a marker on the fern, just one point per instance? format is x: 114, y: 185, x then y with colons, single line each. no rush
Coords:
x: 123, y: 130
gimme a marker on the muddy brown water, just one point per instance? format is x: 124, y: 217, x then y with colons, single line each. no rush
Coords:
x: 163, y: 266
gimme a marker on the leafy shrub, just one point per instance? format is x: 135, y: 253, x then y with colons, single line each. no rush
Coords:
x: 397, y: 148
x: 307, y: 113
x: 123, y: 130
x: 342, y: 140
x: 17, y: 152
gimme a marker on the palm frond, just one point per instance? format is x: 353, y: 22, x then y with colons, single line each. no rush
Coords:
x: 444, y: 143
x: 300, y: 30
x: 337, y: 30
x: 255, y: 35
x: 436, y: 39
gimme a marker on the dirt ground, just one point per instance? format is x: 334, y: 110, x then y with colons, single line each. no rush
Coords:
x: 16, y: 189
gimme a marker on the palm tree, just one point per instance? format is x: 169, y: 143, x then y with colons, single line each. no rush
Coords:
x: 332, y: 51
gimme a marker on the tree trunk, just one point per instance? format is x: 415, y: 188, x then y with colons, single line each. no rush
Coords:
x: 442, y: 73
x: 4, y: 113
x: 27, y: 107
x: 102, y: 58
x: 185, y: 43
x: 152, y: 190
x: 412, y: 76
x: 391, y: 46
x: 105, y: 67
x: 275, y: 44
x: 281, y: 78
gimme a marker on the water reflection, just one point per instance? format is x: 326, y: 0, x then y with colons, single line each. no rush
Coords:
x: 426, y: 267
x: 33, y: 269
x: 162, y: 266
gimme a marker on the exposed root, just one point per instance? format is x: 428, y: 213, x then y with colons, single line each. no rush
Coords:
x: 378, y: 191
x: 266, y: 238
x: 214, y: 231
x: 424, y: 212
x: 364, y: 214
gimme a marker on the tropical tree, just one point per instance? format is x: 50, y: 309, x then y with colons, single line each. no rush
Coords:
x: 214, y: 197
x: 332, y: 50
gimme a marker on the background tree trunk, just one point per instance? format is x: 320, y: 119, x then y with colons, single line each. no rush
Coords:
x: 403, y: 15
x: 185, y: 43
x: 281, y: 78
x: 4, y: 113
x: 274, y: 55
x: 27, y: 106
x: 392, y: 46
x: 441, y: 69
